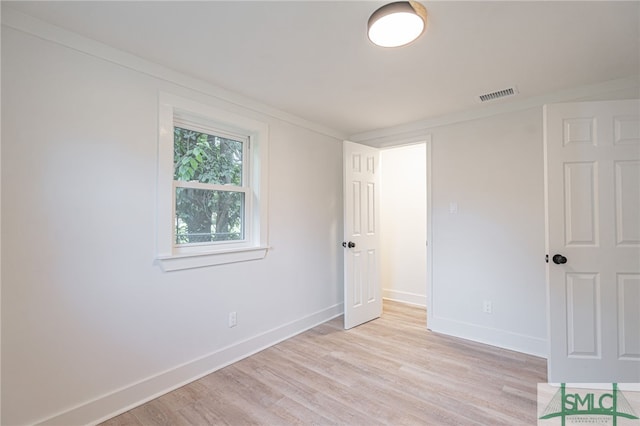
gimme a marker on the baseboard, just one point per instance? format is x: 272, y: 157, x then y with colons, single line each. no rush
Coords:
x: 124, y: 399
x: 490, y: 336
x: 404, y: 297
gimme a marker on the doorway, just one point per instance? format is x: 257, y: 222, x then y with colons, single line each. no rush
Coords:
x: 403, y: 224
x: 407, y: 262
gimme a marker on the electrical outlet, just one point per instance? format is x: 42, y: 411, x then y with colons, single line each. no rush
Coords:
x: 233, y: 319
x: 487, y: 307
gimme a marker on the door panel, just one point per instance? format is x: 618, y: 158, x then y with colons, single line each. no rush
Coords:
x: 581, y: 201
x: 629, y: 316
x: 627, y: 203
x: 362, y: 294
x: 583, y: 315
x: 592, y: 154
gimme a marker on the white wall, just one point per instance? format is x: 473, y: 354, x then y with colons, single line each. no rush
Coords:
x: 403, y: 219
x: 89, y: 324
x: 489, y: 162
x: 492, y: 248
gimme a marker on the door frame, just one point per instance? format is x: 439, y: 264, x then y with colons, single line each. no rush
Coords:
x: 425, y: 139
x: 429, y: 242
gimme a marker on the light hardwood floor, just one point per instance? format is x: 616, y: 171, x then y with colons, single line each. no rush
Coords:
x: 389, y: 371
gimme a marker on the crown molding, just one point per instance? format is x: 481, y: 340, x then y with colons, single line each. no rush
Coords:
x: 19, y: 21
x: 417, y: 129
x: 389, y: 136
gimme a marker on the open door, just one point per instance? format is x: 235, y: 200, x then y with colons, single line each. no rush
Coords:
x: 362, y: 294
x: 592, y: 176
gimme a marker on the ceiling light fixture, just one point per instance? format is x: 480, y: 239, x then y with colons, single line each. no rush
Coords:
x: 397, y: 24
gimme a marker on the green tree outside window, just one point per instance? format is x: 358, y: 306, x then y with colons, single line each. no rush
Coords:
x: 208, y: 215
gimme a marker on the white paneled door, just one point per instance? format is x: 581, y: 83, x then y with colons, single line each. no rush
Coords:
x: 362, y: 294
x: 592, y: 152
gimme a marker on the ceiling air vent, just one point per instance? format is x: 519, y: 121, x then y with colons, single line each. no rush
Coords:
x: 499, y: 94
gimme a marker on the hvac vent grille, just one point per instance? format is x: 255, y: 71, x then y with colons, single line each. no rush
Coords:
x: 499, y: 94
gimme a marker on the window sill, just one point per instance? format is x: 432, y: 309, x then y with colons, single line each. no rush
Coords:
x: 201, y: 260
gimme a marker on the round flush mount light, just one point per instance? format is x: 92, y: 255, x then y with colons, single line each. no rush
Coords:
x: 397, y: 24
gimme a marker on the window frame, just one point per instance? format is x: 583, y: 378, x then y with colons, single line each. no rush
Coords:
x: 178, y: 111
x: 184, y: 122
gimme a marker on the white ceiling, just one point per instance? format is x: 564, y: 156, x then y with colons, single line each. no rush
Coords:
x: 313, y: 60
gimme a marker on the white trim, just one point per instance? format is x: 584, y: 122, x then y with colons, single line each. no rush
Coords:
x: 402, y: 141
x: 121, y: 400
x: 429, y: 243
x: 209, y: 186
x: 545, y: 156
x: 404, y: 297
x: 382, y: 137
x: 21, y: 22
x: 171, y: 257
x: 0, y: 232
x: 221, y: 257
x: 490, y: 336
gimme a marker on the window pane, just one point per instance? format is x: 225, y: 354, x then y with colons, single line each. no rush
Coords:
x: 207, y: 216
x: 206, y: 158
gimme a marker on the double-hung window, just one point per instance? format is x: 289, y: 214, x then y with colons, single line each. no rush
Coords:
x: 211, y: 192
x: 211, y: 186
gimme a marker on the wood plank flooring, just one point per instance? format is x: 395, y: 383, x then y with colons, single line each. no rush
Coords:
x: 391, y: 371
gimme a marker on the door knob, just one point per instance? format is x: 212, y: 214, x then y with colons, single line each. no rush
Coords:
x: 350, y: 244
x: 559, y: 259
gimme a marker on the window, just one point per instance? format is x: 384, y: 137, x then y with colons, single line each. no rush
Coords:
x: 209, y: 192
x: 211, y: 186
